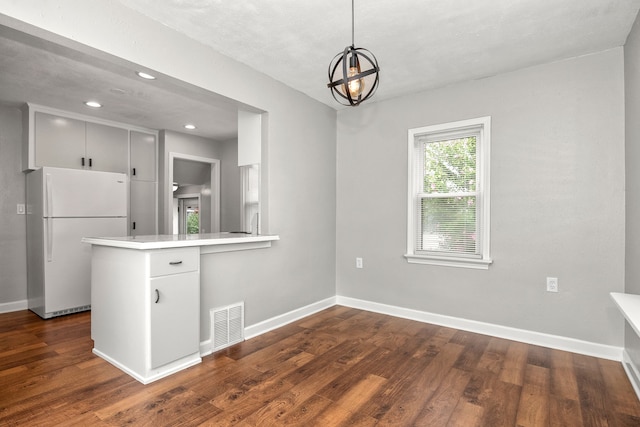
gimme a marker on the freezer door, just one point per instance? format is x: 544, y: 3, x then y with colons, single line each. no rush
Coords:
x: 72, y: 193
x: 68, y: 260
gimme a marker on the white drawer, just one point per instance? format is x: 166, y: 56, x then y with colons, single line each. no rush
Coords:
x: 174, y: 261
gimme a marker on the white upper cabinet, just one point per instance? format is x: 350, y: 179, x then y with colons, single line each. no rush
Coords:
x: 107, y: 148
x: 71, y: 143
x: 67, y: 140
x: 249, y: 138
x: 60, y: 142
x: 143, y: 156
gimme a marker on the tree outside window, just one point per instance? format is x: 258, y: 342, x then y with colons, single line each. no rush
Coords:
x: 193, y: 222
x: 448, y: 207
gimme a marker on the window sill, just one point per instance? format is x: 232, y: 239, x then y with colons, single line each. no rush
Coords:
x: 478, y: 264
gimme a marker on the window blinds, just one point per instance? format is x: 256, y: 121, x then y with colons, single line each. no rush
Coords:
x: 447, y: 198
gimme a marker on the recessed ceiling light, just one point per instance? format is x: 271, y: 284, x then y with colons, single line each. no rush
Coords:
x: 93, y: 104
x: 145, y: 75
x: 190, y: 126
x: 118, y: 91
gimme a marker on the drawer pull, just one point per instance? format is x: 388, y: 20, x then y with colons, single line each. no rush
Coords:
x: 175, y: 262
x: 157, y: 296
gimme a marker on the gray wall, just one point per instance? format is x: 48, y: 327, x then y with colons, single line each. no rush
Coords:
x: 13, y: 249
x: 632, y: 157
x: 557, y: 184
x: 557, y: 200
x: 230, y: 187
x: 299, y: 152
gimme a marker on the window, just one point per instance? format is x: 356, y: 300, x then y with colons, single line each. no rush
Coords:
x: 250, y: 215
x: 448, y: 204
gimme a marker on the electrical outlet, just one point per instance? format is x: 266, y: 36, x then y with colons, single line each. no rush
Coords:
x: 20, y: 209
x: 358, y: 262
x: 552, y: 284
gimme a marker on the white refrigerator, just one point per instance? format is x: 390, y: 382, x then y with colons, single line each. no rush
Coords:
x: 63, y: 206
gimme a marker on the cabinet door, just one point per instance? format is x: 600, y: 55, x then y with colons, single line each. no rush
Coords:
x: 175, y: 317
x: 107, y: 148
x: 143, y: 156
x: 143, y: 204
x: 59, y: 141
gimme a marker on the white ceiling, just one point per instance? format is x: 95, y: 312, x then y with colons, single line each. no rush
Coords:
x: 419, y: 44
x: 40, y: 72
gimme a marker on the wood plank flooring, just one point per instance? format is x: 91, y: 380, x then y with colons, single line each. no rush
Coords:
x: 339, y: 367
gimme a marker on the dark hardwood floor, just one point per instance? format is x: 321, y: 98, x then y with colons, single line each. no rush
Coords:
x: 339, y: 367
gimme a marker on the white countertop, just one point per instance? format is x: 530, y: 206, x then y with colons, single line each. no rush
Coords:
x: 629, y: 305
x: 164, y: 241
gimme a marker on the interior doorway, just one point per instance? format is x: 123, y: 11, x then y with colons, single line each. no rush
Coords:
x: 193, y: 177
x: 188, y: 214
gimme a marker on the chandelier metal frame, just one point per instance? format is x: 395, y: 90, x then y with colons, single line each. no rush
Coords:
x: 360, y: 73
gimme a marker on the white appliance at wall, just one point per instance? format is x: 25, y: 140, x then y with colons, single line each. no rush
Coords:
x: 64, y: 205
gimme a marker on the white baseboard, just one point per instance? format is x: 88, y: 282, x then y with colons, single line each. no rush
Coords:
x: 286, y: 318
x: 536, y: 338
x: 8, y: 307
x: 205, y: 348
x: 530, y: 337
x: 153, y: 374
x: 275, y: 322
x: 632, y: 372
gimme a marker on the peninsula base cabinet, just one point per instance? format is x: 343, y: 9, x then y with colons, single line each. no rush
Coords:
x: 145, y: 309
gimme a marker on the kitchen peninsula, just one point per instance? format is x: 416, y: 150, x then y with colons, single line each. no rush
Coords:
x: 145, y: 298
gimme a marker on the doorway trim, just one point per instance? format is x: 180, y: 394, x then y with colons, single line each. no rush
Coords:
x: 215, y: 189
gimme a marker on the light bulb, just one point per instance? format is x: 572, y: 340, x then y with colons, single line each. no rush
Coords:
x: 355, y: 86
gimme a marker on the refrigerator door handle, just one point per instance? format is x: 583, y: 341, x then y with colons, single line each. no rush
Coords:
x: 49, y: 233
x: 48, y: 215
x: 49, y: 190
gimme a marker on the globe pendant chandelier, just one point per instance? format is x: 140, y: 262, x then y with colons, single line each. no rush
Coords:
x: 353, y: 73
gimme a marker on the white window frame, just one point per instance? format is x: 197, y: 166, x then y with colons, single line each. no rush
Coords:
x: 482, y: 259
x: 250, y: 198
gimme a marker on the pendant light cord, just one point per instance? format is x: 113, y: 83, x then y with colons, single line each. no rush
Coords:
x: 353, y: 24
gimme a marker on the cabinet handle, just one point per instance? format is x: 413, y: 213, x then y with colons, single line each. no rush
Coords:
x: 175, y: 262
x: 157, y: 296
x: 134, y: 225
x: 82, y: 161
x: 134, y: 171
x: 90, y: 162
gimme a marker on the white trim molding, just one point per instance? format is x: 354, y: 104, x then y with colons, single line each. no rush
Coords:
x: 417, y: 138
x: 632, y: 372
x: 153, y: 374
x: 286, y: 318
x: 530, y: 337
x: 9, y: 307
x: 276, y: 322
x: 479, y: 264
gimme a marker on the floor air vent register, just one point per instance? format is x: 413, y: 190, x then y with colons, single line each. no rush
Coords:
x: 227, y: 326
